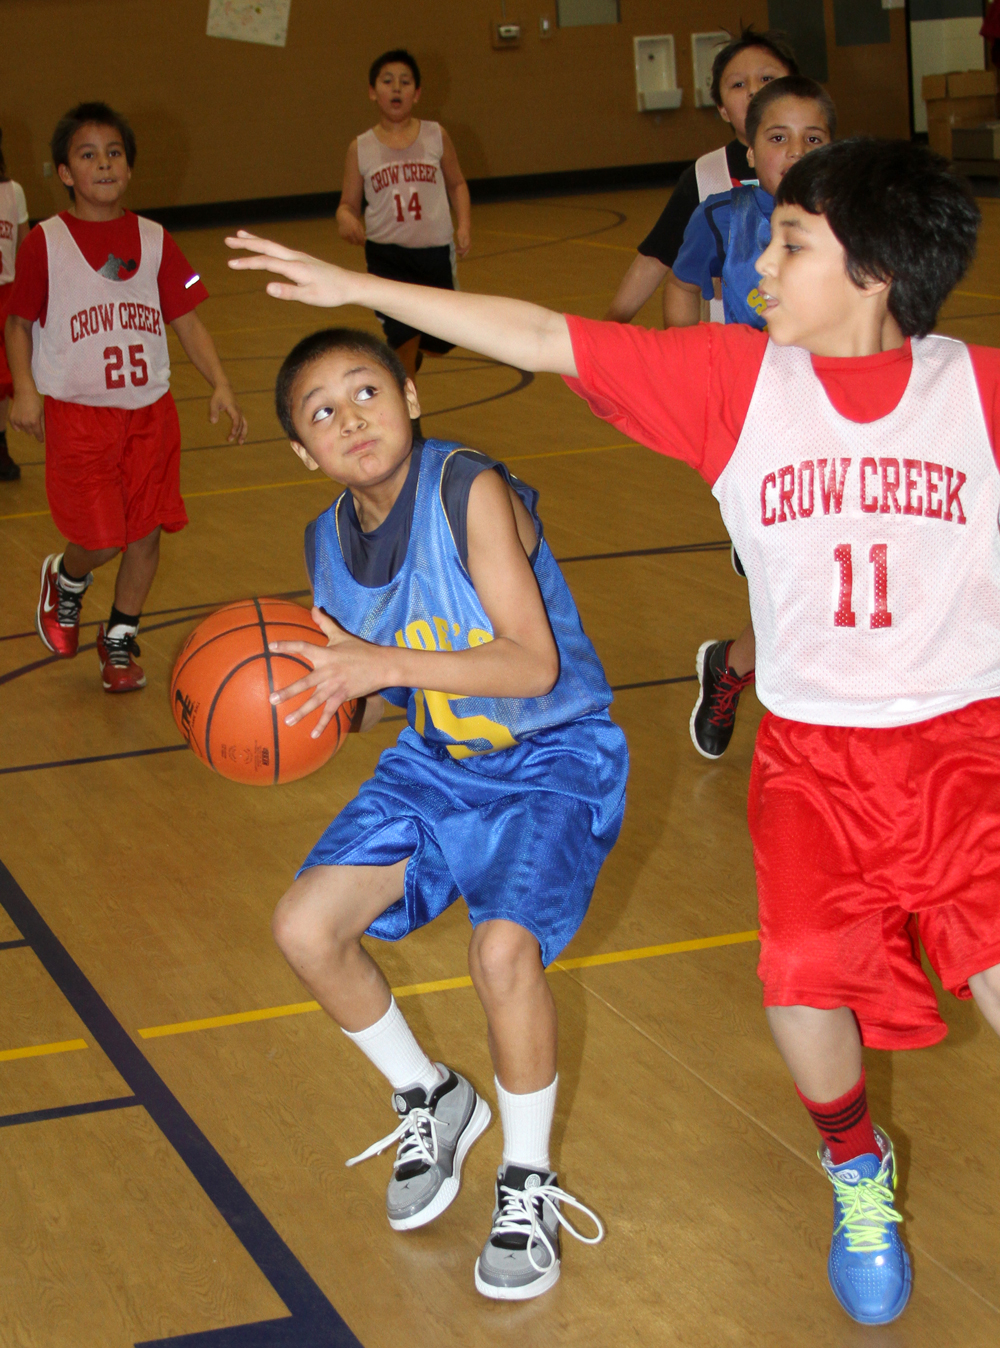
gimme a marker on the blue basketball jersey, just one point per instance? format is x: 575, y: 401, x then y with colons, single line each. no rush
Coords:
x: 749, y: 235
x: 431, y: 604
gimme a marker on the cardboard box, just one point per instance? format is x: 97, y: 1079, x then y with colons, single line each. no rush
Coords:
x: 943, y: 114
x: 976, y: 142
x: 959, y: 84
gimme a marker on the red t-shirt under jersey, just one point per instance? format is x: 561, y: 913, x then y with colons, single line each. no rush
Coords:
x: 98, y: 240
x: 686, y: 391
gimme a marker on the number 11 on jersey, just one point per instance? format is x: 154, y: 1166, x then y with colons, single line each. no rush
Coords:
x: 844, y: 615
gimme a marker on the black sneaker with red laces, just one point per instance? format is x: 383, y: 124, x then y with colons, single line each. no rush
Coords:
x: 714, y: 714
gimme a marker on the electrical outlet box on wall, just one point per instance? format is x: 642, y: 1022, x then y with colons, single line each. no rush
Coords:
x: 656, y: 73
x: 505, y: 34
x: 704, y: 47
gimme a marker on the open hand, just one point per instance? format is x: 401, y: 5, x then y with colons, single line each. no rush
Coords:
x: 224, y: 400
x: 27, y: 414
x: 345, y: 668
x: 312, y: 281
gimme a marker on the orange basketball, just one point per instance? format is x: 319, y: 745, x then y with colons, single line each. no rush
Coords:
x: 220, y: 687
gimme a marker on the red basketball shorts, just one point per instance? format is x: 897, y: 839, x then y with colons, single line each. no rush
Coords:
x: 6, y: 383
x: 867, y: 845
x: 113, y: 475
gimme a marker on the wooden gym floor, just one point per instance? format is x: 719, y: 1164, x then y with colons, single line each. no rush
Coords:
x: 174, y: 1121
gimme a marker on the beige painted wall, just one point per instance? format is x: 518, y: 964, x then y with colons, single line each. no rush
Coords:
x: 219, y: 120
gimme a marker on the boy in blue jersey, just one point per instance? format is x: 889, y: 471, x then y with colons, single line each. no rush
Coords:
x: 725, y: 237
x: 438, y: 593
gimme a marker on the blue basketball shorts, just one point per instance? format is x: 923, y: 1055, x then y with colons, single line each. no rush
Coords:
x: 519, y: 834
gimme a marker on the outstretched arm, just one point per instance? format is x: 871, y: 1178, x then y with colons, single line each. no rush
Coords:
x: 512, y: 331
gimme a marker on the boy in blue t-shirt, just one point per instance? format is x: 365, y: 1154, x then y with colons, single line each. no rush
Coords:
x: 725, y: 237
x: 438, y: 593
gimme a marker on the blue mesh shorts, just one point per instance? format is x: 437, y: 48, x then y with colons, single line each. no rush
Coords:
x: 519, y: 834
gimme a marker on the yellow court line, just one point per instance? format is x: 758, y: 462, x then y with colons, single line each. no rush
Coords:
x: 320, y: 479
x: 448, y: 984
x: 42, y: 1050
x: 974, y: 295
x: 24, y: 515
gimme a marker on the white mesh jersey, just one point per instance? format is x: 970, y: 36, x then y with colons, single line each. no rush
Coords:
x: 104, y: 343
x: 405, y: 194
x: 873, y: 563
x: 712, y: 175
x: 8, y: 231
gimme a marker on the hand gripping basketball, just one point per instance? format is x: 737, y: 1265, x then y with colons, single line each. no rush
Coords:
x: 222, y: 683
x: 341, y: 672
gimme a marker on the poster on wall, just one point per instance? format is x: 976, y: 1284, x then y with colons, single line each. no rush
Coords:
x: 249, y: 20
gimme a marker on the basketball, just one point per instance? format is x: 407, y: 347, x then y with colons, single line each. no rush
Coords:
x: 220, y: 687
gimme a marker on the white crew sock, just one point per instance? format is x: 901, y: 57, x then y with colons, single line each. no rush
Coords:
x: 390, y: 1045
x: 527, y: 1123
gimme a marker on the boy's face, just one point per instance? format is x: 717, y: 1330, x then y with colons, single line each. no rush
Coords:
x: 748, y: 71
x: 811, y: 300
x: 353, y: 420
x: 98, y: 170
x: 791, y: 128
x: 395, y: 91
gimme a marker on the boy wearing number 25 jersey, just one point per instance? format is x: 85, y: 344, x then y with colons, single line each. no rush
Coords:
x: 96, y: 287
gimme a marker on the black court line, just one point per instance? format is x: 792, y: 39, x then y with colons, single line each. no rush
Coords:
x: 79, y: 762
x: 175, y: 748
x: 12, y: 945
x: 66, y: 1111
x: 720, y: 545
x: 313, y: 1322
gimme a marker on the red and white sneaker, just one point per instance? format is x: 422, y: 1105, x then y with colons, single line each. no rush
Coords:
x: 116, y: 651
x: 57, y: 618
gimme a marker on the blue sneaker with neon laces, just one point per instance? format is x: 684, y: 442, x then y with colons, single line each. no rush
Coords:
x: 869, y: 1269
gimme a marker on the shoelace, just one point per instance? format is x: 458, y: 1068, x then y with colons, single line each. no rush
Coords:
x: 120, y: 650
x: 417, y: 1137
x: 68, y: 607
x: 868, y: 1210
x: 519, y: 1216
x: 727, y: 690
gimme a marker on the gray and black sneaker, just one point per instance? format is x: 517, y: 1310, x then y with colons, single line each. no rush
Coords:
x: 434, y: 1137
x: 521, y: 1258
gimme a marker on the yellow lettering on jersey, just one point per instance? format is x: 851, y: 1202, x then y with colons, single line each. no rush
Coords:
x: 420, y: 717
x: 400, y: 640
x: 479, y: 637
x: 444, y: 640
x: 466, y: 727
x: 756, y: 301
x: 419, y: 636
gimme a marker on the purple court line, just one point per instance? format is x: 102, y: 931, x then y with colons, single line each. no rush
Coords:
x: 174, y: 748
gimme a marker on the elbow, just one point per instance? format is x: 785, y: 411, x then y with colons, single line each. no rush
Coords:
x: 546, y: 674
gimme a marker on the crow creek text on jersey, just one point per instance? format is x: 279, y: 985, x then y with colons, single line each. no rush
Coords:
x: 882, y: 486
x: 100, y: 318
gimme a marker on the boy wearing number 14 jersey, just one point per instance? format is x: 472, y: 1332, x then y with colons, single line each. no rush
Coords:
x: 96, y: 287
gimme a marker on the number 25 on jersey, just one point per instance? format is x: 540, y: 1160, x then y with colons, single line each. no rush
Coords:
x: 844, y: 615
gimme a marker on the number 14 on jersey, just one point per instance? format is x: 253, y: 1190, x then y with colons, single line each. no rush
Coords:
x: 844, y: 615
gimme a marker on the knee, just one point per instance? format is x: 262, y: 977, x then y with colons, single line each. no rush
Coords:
x: 303, y: 930
x: 502, y: 958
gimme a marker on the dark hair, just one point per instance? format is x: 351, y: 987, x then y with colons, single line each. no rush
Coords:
x: 3, y: 162
x: 771, y: 40
x: 315, y: 347
x: 388, y: 58
x: 89, y: 114
x: 900, y: 214
x: 790, y: 86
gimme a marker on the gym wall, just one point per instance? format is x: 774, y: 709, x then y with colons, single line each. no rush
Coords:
x: 218, y: 120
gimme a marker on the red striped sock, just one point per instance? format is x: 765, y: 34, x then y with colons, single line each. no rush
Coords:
x: 844, y: 1124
